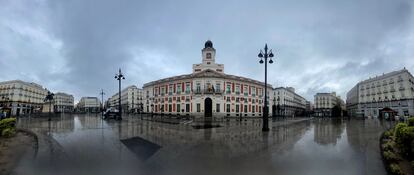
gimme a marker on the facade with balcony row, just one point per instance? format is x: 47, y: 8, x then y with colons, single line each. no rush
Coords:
x: 325, y: 102
x: 286, y: 102
x: 23, y: 98
x: 392, y: 91
x: 131, y: 100
x: 89, y: 105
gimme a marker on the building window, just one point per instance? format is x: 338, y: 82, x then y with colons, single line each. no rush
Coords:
x: 187, y: 88
x: 198, y: 107
x: 245, y: 91
x: 169, y: 108
x: 178, y: 108
x: 228, y: 108
x: 228, y: 89
x: 228, y: 99
x: 245, y: 108
x: 198, y: 87
x: 237, y: 108
x: 217, y: 87
x: 170, y: 91
x: 237, y: 89
x: 253, y: 91
x: 178, y: 88
x: 253, y: 111
x: 217, y: 107
x: 187, y: 107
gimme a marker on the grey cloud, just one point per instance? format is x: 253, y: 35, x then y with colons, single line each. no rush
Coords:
x: 320, y: 45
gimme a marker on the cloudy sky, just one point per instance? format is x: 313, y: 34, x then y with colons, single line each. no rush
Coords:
x: 77, y: 46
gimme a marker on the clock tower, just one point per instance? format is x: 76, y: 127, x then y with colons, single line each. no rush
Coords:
x: 208, y: 54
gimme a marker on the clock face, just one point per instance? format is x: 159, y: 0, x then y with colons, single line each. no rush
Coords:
x: 208, y: 56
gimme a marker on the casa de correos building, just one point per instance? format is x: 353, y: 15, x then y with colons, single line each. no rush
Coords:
x: 206, y: 91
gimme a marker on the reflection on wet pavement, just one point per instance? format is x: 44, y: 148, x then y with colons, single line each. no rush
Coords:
x: 85, y: 144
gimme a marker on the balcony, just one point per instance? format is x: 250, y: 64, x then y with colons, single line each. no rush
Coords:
x: 401, y: 88
x: 400, y: 80
x: 207, y: 91
x: 392, y: 90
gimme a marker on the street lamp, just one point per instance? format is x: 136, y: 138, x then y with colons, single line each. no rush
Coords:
x: 119, y: 77
x: 265, y: 55
x: 49, y: 97
x: 102, y: 93
x: 30, y: 106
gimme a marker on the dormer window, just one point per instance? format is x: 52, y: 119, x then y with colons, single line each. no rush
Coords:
x: 208, y: 56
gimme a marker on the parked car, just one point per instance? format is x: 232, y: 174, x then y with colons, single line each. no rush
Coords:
x: 111, y: 113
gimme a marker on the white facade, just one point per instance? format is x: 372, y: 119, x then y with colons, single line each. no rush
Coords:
x: 89, y: 104
x: 131, y: 99
x: 63, y: 102
x: 207, y: 91
x: 394, y: 90
x: 22, y: 97
x: 324, y: 102
x: 287, y: 102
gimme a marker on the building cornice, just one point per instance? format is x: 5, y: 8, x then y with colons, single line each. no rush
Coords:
x: 208, y: 73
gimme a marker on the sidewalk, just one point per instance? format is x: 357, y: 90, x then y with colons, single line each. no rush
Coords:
x: 12, y: 150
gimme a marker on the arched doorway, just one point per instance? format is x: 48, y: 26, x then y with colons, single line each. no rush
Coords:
x: 208, y: 107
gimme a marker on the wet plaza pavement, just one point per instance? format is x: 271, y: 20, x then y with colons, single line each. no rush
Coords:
x: 86, y: 144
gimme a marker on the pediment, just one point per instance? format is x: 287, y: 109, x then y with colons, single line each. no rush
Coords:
x: 208, y: 73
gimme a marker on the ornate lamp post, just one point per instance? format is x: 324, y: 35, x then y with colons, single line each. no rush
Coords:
x: 119, y: 77
x: 267, y: 54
